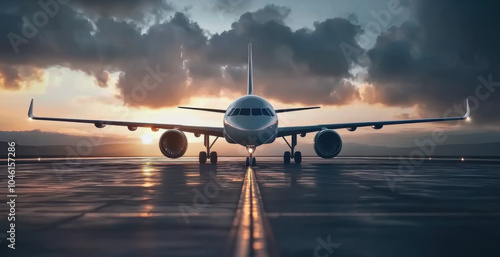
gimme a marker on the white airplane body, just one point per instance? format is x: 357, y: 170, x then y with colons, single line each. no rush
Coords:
x: 249, y: 121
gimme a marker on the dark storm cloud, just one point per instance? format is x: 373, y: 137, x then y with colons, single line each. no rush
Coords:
x: 137, y: 10
x: 175, y: 59
x: 450, y: 52
x: 278, y: 47
x: 231, y: 6
x: 305, y: 65
x: 99, y: 47
x: 39, y: 39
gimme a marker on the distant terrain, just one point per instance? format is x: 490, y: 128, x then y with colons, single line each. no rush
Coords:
x: 349, y: 149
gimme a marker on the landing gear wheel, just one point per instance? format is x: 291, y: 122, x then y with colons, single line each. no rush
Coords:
x: 297, y: 157
x: 253, y: 161
x: 213, y: 157
x: 287, y: 157
x: 203, y: 157
x: 247, y: 162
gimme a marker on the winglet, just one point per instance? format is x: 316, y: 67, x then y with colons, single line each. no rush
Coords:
x: 467, y: 114
x: 30, y: 111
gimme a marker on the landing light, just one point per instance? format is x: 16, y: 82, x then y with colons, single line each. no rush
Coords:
x: 251, y: 149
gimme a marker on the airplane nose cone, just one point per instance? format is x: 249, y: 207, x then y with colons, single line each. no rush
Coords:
x: 252, y: 124
x: 251, y: 133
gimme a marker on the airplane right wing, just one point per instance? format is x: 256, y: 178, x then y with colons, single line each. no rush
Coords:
x: 202, y: 109
x: 212, y: 131
x: 287, y: 131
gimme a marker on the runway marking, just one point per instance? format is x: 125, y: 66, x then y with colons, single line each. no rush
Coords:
x: 270, y: 215
x: 369, y: 214
x: 159, y: 214
x: 251, y: 234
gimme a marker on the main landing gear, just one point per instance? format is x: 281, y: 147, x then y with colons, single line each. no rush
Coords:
x: 208, y: 155
x: 296, y: 156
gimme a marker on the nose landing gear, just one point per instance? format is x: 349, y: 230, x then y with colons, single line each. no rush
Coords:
x: 250, y: 161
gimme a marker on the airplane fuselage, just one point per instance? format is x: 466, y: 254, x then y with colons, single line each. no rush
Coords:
x: 250, y: 121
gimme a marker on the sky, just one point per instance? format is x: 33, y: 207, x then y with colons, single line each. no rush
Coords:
x: 138, y: 60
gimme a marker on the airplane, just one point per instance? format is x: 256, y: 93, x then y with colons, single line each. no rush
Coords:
x: 250, y: 121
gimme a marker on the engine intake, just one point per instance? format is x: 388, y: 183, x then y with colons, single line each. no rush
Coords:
x: 327, y: 144
x: 173, y: 143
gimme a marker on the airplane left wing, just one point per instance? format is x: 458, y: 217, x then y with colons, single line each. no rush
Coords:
x: 287, y: 131
x: 212, y: 131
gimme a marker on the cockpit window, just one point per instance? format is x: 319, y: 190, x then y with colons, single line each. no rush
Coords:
x: 256, y: 112
x: 235, y: 112
x: 250, y: 111
x: 245, y: 111
x: 270, y: 112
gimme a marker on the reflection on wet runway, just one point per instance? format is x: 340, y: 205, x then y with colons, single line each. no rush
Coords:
x: 340, y: 207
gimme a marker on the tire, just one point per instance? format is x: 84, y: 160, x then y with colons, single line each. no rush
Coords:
x: 203, y: 157
x: 297, y: 157
x: 213, y: 157
x: 287, y: 157
x: 254, y: 162
x: 247, y: 161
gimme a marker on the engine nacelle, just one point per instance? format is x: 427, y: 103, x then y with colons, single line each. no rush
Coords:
x: 173, y: 143
x: 327, y: 144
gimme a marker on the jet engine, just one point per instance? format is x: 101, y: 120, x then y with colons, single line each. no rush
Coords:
x: 327, y: 144
x: 173, y: 143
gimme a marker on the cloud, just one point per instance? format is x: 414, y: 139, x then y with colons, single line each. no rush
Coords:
x: 176, y: 59
x: 230, y: 6
x: 136, y: 10
x: 308, y: 66
x: 447, y: 53
x: 12, y: 77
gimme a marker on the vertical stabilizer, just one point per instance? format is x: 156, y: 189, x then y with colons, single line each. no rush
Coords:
x: 250, y: 70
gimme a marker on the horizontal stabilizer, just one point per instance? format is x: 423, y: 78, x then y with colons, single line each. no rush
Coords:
x: 296, y: 109
x: 203, y: 109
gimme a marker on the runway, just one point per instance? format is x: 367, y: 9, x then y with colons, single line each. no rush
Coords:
x: 338, y: 207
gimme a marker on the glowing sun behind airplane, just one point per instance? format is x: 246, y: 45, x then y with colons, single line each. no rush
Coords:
x: 146, y: 139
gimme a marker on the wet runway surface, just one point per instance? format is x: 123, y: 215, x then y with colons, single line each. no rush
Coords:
x: 339, y: 207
